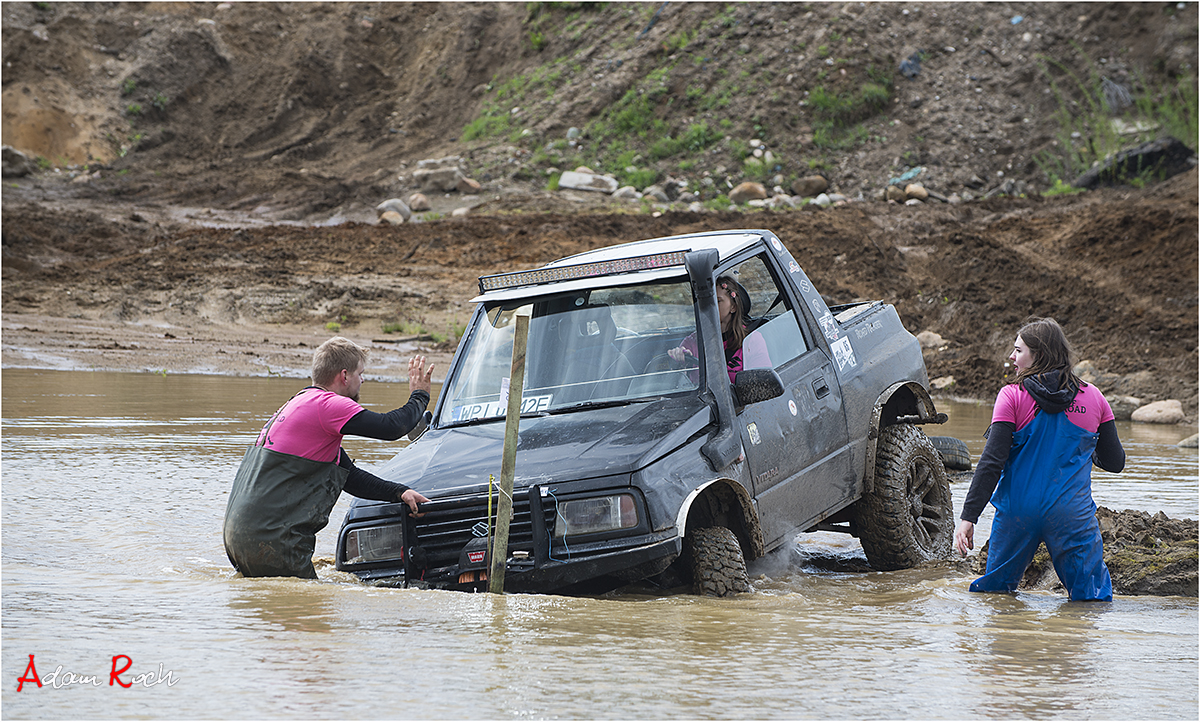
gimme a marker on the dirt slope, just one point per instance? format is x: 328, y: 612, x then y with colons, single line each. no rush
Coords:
x: 308, y: 111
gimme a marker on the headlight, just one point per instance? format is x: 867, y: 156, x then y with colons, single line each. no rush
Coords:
x: 594, y: 515
x: 374, y: 544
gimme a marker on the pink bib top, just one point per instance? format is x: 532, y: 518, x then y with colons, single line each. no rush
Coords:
x: 310, y: 425
x: 1087, y: 411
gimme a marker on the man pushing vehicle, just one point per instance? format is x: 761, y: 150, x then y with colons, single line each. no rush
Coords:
x: 291, y: 477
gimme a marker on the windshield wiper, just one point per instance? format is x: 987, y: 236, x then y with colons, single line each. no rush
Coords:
x: 489, y: 419
x: 600, y: 404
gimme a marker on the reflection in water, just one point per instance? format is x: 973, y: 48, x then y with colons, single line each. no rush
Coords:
x: 1031, y: 654
x: 270, y: 605
x: 113, y: 493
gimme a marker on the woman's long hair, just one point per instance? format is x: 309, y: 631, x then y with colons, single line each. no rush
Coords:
x: 737, y: 330
x: 1051, y: 351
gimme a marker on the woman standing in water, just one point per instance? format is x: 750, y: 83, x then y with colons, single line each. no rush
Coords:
x: 1048, y: 428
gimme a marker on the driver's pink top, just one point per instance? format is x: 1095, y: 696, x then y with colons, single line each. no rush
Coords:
x: 310, y: 425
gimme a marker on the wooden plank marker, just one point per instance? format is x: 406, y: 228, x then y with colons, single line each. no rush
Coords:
x: 508, y: 463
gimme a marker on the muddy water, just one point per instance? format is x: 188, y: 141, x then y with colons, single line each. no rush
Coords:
x: 114, y: 486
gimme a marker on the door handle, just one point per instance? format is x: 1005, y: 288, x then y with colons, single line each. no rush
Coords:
x: 820, y: 388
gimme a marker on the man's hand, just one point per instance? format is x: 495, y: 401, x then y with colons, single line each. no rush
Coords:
x: 412, y: 498
x: 419, y: 377
x: 964, y: 537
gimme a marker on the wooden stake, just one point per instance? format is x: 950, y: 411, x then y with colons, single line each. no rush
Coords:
x: 508, y: 463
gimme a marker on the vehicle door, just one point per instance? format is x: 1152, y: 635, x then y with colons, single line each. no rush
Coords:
x: 796, y: 445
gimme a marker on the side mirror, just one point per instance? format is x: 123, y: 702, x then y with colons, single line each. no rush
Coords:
x: 421, y: 426
x: 754, y: 385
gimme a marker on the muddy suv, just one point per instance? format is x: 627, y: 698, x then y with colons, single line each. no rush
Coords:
x: 632, y: 465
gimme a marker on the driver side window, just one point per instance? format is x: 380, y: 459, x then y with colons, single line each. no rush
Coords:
x: 774, y: 336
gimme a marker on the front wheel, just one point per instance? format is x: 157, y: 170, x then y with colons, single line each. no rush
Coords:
x: 718, y: 566
x: 908, y: 518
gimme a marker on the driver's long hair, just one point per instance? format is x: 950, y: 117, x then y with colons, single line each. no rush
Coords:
x: 737, y: 330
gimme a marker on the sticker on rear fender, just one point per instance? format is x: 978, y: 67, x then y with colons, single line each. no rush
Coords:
x: 844, y: 353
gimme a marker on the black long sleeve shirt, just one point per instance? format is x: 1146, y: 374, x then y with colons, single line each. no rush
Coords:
x: 387, y: 427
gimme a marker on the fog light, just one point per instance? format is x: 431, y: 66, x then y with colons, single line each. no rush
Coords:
x: 374, y: 544
x: 594, y: 515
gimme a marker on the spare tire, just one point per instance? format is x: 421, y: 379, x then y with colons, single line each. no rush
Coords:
x: 908, y: 517
x: 953, y: 451
x: 718, y: 566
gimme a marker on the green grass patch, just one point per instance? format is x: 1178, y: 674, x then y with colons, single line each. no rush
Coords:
x: 694, y: 139
x: 680, y: 40
x: 720, y: 203
x: 638, y: 178
x: 488, y: 126
x: 837, y: 117
x: 756, y: 170
x: 1062, y: 189
x: 1089, y: 111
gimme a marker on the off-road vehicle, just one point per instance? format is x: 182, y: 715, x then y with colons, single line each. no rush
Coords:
x: 631, y: 465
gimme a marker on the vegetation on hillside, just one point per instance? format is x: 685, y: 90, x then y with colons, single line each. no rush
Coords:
x: 706, y: 89
x: 683, y: 101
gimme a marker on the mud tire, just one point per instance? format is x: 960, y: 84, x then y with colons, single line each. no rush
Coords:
x: 718, y: 567
x: 908, y: 518
x: 953, y: 451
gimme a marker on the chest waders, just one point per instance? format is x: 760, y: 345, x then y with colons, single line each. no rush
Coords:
x: 1045, y: 495
x: 276, y: 507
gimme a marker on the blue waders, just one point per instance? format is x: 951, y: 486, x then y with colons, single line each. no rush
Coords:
x: 1045, y: 495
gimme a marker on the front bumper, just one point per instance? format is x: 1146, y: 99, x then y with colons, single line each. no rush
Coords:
x: 435, y: 549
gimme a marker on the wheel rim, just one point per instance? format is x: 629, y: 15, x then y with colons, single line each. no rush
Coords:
x: 923, y: 497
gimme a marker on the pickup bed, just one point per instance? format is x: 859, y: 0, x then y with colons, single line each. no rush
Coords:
x: 632, y: 465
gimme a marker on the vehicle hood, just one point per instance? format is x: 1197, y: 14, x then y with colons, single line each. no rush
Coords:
x: 582, y: 444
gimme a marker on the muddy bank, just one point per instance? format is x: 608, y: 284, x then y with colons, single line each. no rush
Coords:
x: 283, y: 350
x: 1117, y: 267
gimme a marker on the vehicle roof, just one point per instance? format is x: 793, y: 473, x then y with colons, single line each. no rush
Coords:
x: 726, y: 243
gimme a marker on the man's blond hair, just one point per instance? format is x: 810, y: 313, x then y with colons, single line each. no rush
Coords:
x: 334, y: 355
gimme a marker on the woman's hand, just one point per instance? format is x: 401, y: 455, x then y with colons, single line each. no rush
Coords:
x: 964, y: 537
x: 678, y: 353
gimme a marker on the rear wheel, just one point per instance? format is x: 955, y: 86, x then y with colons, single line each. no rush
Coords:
x: 907, y: 518
x: 953, y: 451
x: 718, y: 567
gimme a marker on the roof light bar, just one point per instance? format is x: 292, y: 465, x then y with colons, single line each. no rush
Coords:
x: 584, y: 270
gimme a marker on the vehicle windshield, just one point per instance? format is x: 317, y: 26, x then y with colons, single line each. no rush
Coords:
x: 599, y: 346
